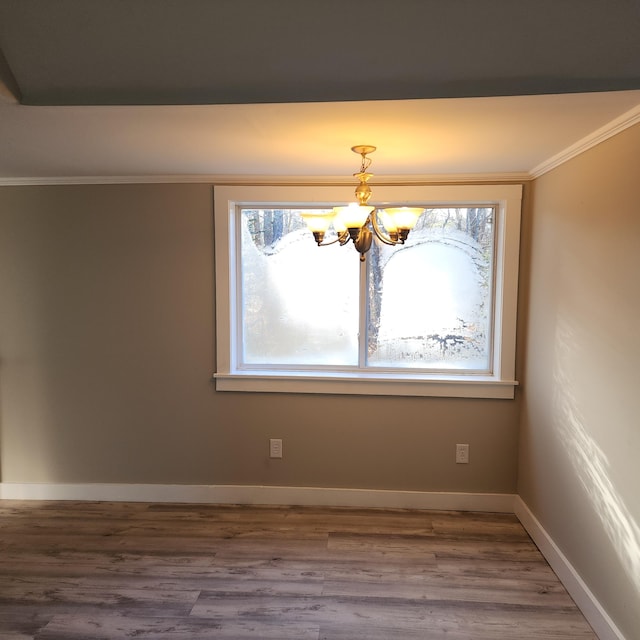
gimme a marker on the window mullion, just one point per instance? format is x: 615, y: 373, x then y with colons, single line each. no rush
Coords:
x: 364, y: 314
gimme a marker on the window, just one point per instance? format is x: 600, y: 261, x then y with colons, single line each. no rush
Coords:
x: 435, y: 316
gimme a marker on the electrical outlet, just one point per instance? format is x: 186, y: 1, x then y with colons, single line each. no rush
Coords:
x: 462, y: 454
x: 275, y: 448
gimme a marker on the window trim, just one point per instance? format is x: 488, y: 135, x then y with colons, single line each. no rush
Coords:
x: 500, y: 384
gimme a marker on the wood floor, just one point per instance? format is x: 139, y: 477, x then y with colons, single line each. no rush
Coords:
x: 71, y: 571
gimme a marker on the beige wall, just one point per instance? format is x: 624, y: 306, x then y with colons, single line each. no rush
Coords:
x: 107, y: 351
x: 580, y: 434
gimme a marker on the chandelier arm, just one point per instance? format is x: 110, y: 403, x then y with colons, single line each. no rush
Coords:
x: 373, y: 217
x: 342, y: 238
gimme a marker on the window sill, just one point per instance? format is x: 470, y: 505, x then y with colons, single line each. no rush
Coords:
x: 369, y: 384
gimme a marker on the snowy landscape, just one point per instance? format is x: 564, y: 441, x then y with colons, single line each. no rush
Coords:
x: 429, y: 301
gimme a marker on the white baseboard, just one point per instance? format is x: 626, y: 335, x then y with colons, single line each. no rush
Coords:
x: 241, y: 494
x: 593, y: 611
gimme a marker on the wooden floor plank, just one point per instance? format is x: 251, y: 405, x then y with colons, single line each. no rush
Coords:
x: 41, y: 593
x: 64, y: 627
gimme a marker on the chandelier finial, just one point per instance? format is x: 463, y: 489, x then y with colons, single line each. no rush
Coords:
x: 363, y: 190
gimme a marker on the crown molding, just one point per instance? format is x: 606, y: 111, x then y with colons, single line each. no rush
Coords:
x: 625, y: 121
x: 261, y: 180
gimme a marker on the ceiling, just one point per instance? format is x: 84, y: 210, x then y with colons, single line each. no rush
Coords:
x: 178, y: 88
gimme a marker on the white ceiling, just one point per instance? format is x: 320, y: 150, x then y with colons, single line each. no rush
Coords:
x: 175, y: 89
x: 438, y: 137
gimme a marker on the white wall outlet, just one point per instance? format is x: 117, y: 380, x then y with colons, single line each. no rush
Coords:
x: 275, y: 448
x: 462, y: 454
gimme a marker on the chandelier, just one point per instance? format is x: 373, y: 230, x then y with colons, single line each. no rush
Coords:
x: 360, y: 221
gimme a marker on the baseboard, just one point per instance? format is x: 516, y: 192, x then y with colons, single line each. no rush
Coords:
x: 265, y: 495
x: 593, y: 611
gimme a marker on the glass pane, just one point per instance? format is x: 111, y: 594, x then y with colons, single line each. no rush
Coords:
x: 430, y: 300
x: 299, y: 301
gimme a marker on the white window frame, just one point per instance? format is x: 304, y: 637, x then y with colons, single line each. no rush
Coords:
x: 500, y: 383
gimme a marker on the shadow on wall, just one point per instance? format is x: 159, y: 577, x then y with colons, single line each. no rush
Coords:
x: 590, y: 463
x: 1, y: 421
